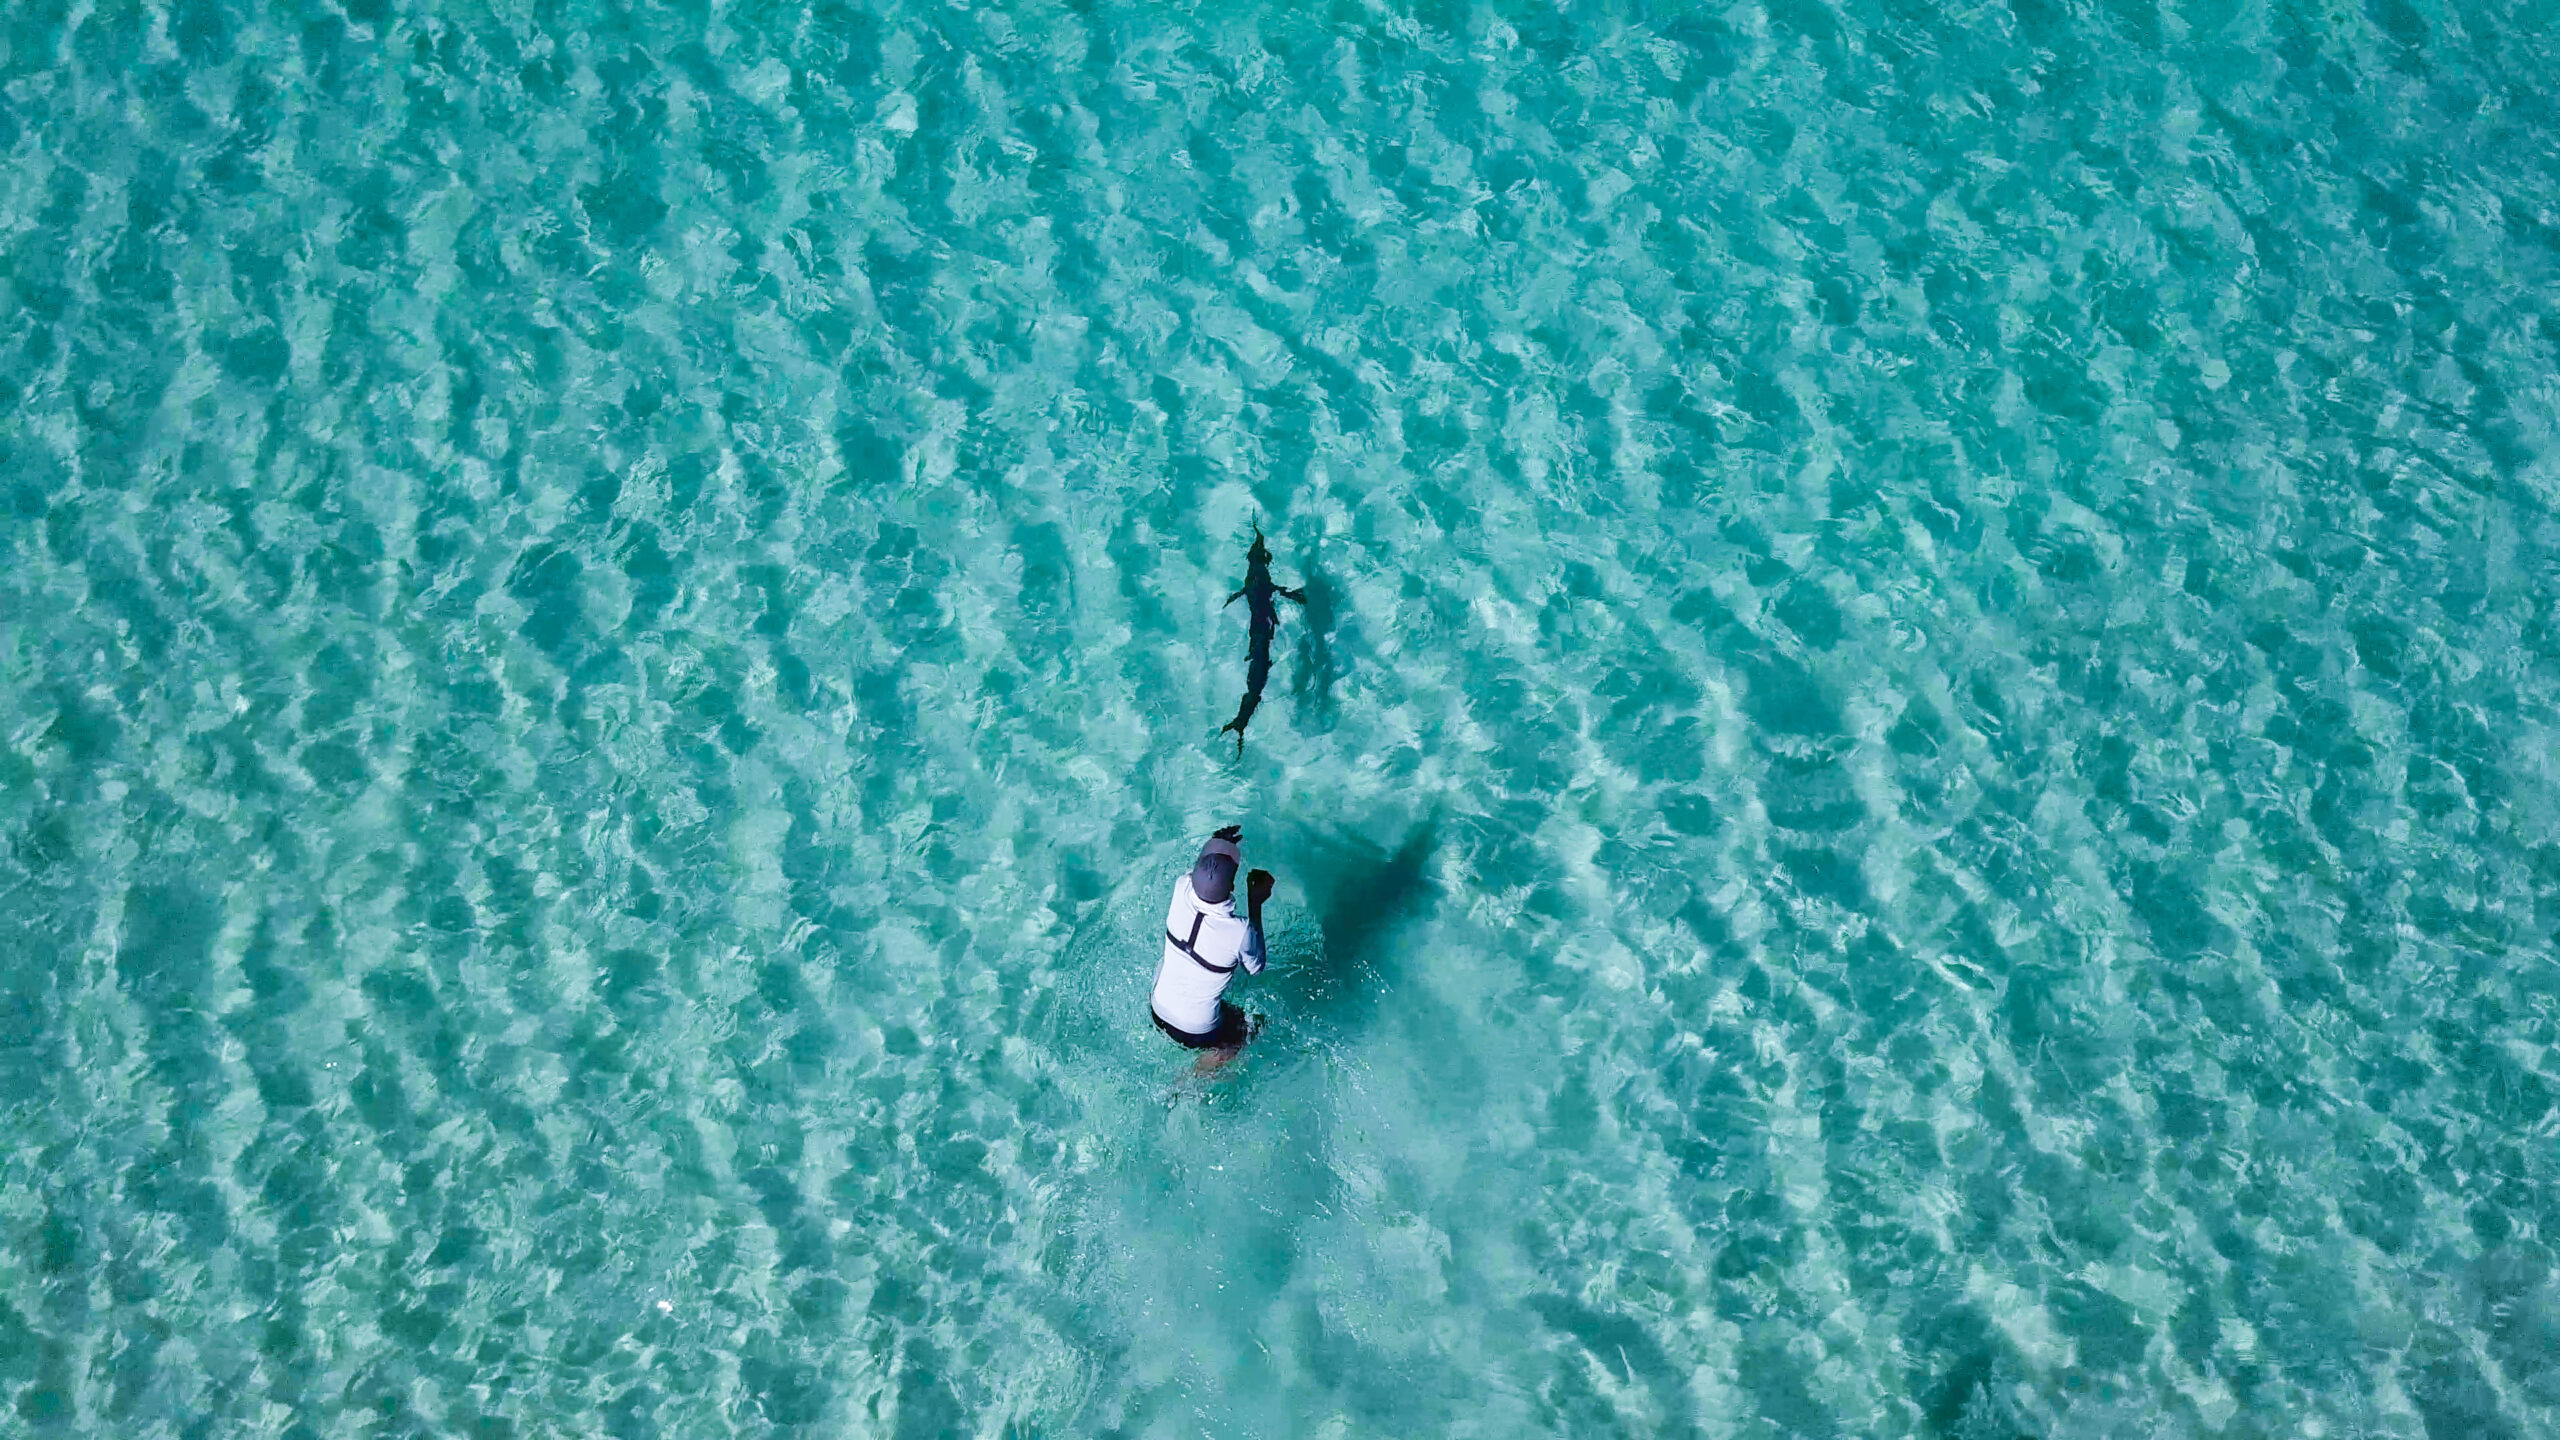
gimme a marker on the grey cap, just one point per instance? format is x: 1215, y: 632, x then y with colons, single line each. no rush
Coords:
x: 1213, y: 875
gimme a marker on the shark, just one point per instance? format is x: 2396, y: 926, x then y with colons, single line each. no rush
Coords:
x: 1260, y: 594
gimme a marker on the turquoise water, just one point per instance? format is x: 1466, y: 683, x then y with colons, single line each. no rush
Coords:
x: 1916, y: 796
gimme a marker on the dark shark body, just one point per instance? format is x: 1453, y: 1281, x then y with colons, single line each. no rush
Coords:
x: 1260, y: 595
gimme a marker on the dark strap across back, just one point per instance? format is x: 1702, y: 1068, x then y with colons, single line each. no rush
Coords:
x: 1188, y: 946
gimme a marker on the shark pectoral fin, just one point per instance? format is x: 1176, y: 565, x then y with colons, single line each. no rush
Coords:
x: 1233, y: 599
x: 1298, y: 595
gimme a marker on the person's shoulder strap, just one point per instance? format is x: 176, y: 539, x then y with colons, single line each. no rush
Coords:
x: 1190, y: 945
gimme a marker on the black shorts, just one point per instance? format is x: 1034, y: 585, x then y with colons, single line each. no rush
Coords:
x: 1231, y: 1032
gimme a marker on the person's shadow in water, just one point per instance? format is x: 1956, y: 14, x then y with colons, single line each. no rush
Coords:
x: 1319, y: 663
x: 1361, y: 894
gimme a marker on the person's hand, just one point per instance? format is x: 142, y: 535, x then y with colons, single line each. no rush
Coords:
x: 1233, y: 834
x: 1257, y: 887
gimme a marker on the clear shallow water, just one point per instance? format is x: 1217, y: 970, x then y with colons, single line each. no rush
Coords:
x: 1916, y: 796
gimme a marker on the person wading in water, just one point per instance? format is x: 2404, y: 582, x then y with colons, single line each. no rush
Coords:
x: 1204, y: 945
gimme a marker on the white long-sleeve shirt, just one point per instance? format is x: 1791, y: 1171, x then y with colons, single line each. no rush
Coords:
x: 1187, y: 989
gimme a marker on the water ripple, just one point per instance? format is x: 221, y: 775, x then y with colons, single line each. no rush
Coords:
x: 1911, y: 789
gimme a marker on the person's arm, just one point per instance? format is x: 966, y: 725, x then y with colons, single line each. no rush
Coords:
x: 1257, y: 888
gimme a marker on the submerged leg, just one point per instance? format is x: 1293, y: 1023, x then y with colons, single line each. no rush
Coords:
x: 1235, y: 1029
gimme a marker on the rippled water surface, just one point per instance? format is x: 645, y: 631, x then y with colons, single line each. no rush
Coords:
x: 1915, y: 794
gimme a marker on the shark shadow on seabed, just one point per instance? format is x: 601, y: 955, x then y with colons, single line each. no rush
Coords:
x: 1318, y: 666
